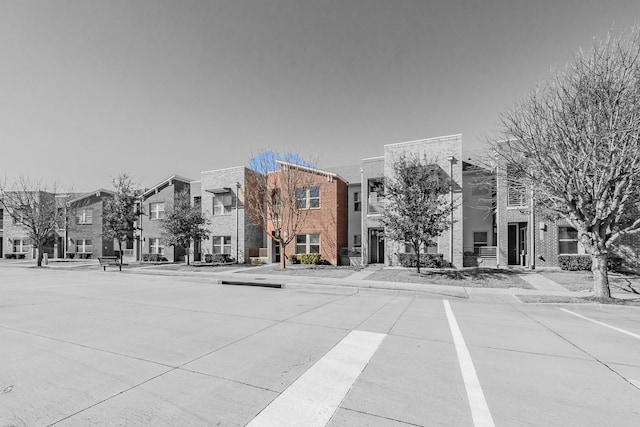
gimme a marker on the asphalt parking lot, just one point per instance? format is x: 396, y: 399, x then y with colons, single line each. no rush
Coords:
x: 99, y: 348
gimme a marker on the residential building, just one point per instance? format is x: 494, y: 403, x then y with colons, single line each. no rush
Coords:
x: 153, y: 203
x: 220, y: 193
x: 324, y: 229
x: 83, y: 236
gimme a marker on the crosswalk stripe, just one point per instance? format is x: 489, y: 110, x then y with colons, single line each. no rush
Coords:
x: 601, y: 323
x: 479, y: 409
x: 315, y: 396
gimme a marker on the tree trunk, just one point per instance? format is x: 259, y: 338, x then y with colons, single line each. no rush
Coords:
x: 188, y: 250
x: 39, y: 255
x: 120, y: 250
x: 417, y: 251
x: 600, y: 277
x: 283, y: 256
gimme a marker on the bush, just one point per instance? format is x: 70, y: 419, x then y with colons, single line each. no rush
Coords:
x: 426, y: 260
x: 583, y: 263
x: 257, y: 261
x: 218, y: 258
x: 310, y: 259
x: 293, y: 259
x: 71, y: 255
x: 10, y: 256
x: 153, y: 258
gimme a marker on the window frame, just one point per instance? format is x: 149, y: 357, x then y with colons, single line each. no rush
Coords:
x: 307, y: 243
x: 219, y: 204
x: 156, y: 214
x: 568, y: 240
x: 220, y: 244
x: 477, y: 244
x: 83, y: 218
x: 84, y: 246
x: 22, y: 246
x: 357, y: 202
x: 305, y: 200
x: 156, y: 246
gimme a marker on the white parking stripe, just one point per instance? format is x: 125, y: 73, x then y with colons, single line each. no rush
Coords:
x: 479, y: 409
x: 601, y: 323
x: 314, y: 397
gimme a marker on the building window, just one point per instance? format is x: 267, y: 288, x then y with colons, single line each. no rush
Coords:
x: 480, y: 239
x: 308, y: 198
x: 197, y: 201
x: 432, y: 248
x: 83, y: 246
x: 156, y: 246
x: 376, y: 196
x: 19, y: 246
x: 357, y: 204
x: 308, y: 244
x: 222, y: 204
x: 222, y: 244
x: 357, y: 240
x: 84, y: 216
x: 516, y: 189
x: 156, y: 211
x: 1, y: 219
x: 567, y: 240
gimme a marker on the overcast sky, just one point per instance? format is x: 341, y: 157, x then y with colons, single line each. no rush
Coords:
x: 90, y: 89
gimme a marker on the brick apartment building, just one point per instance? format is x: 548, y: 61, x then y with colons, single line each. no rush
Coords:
x: 83, y: 236
x: 324, y: 230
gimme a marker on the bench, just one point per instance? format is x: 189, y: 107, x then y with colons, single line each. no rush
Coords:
x: 109, y: 261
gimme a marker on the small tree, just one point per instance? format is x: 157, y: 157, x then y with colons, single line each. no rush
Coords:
x: 120, y: 213
x: 184, y: 223
x: 576, y: 142
x: 416, y: 209
x: 36, y: 209
x: 271, y: 196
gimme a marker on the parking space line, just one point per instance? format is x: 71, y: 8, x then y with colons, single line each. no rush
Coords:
x: 601, y: 323
x: 479, y: 409
x: 315, y: 396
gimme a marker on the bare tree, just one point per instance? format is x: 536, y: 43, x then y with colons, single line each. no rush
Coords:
x: 120, y: 213
x: 417, y: 209
x: 576, y: 141
x: 273, y: 196
x: 184, y: 223
x: 36, y: 209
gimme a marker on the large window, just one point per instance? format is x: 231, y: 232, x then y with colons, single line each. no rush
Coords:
x: 19, y: 246
x: 156, y: 211
x: 308, y: 244
x: 83, y: 246
x: 222, y: 244
x: 357, y: 203
x: 1, y: 219
x: 480, y: 239
x: 376, y: 196
x: 84, y: 216
x: 222, y: 204
x: 516, y: 189
x: 156, y: 246
x: 308, y: 198
x: 567, y: 240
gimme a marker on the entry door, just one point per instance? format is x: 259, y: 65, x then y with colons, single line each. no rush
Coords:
x: 517, y: 243
x: 376, y: 246
x: 522, y: 245
x: 197, y: 250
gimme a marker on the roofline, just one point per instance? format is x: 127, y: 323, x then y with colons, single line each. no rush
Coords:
x: 312, y: 170
x: 458, y: 135
x: 92, y: 193
x: 172, y: 177
x: 373, y: 158
x: 224, y: 169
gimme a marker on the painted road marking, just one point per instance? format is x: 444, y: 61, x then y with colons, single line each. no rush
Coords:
x: 314, y: 397
x: 479, y: 409
x: 601, y: 323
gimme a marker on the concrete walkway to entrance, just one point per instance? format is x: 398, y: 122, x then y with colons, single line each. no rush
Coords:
x: 365, y: 272
x: 541, y: 282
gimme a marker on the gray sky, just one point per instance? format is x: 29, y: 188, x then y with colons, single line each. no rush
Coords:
x: 89, y: 89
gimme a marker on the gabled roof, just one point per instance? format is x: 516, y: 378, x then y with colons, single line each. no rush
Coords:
x: 95, y: 193
x: 165, y: 182
x: 330, y: 175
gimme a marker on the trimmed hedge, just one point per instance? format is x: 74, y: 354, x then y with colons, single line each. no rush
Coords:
x: 14, y: 256
x: 426, y: 260
x: 153, y: 258
x: 583, y: 263
x: 218, y: 258
x: 310, y: 259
